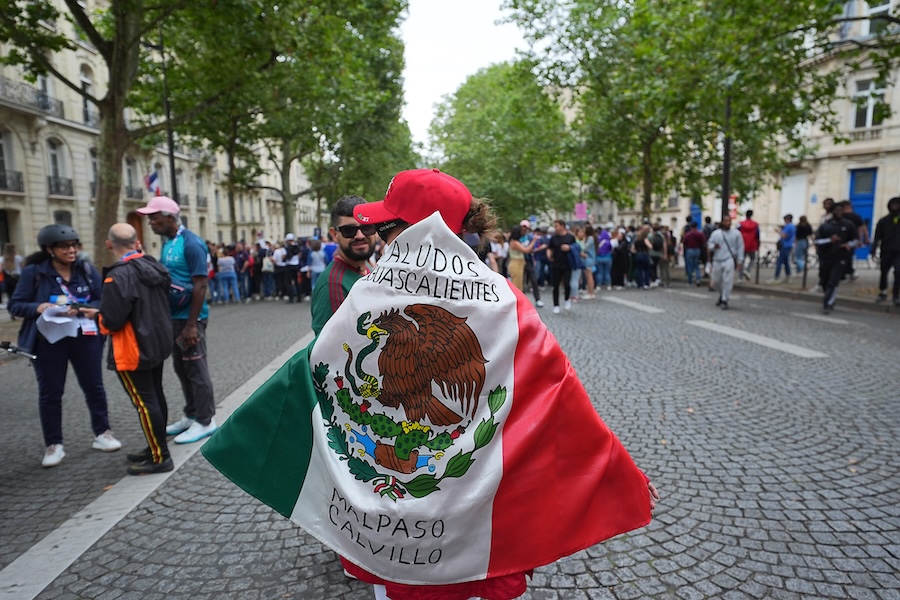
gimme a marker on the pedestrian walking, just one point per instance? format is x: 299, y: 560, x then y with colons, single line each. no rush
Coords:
x: 835, y: 240
x: 693, y: 243
x: 350, y: 260
x: 750, y: 232
x: 726, y: 247
x: 801, y: 246
x: 55, y: 280
x: 560, y: 268
x: 886, y: 247
x: 134, y: 312
x: 787, y: 233
x: 185, y: 256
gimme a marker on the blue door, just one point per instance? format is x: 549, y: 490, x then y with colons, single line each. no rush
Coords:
x: 862, y: 195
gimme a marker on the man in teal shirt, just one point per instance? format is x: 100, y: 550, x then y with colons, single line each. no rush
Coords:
x: 356, y: 243
x: 186, y: 257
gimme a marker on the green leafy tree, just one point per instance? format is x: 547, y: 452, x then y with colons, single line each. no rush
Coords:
x: 503, y: 136
x: 660, y: 86
x: 126, y: 34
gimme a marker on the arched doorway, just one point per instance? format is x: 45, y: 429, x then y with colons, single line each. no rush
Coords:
x: 134, y: 219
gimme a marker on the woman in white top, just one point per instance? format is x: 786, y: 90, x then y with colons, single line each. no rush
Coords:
x: 316, y: 261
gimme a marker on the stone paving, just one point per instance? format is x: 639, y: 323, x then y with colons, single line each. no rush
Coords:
x: 779, y: 475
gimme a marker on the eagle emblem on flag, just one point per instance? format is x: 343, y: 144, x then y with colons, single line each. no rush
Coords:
x: 408, y: 430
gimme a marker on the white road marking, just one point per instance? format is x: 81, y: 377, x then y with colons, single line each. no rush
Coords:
x: 831, y: 320
x: 690, y: 294
x: 634, y: 305
x: 759, y: 339
x: 30, y: 573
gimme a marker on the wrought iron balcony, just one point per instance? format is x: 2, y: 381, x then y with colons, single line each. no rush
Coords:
x: 26, y: 95
x: 135, y: 193
x: 202, y: 202
x: 183, y: 199
x: 91, y: 119
x: 11, y: 181
x: 93, y: 189
x: 59, y: 186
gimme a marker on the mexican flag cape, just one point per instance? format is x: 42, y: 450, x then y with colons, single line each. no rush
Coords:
x: 434, y: 433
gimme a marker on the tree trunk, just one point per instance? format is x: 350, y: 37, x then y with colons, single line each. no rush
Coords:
x: 647, y: 180
x: 111, y: 147
x: 287, y: 198
x: 231, y: 206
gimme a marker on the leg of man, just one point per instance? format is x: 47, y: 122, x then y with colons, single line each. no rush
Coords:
x: 726, y: 279
x: 86, y: 357
x: 893, y: 259
x: 556, y: 276
x: 142, y: 389
x: 885, y: 266
x: 194, y: 377
x: 535, y: 288
x: 836, y: 269
x: 567, y: 281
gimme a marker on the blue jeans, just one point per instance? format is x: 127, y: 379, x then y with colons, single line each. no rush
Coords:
x: 229, y: 283
x: 800, y: 255
x: 604, y: 270
x: 692, y: 265
x: 644, y: 267
x: 244, y: 283
x: 784, y: 258
x: 268, y: 284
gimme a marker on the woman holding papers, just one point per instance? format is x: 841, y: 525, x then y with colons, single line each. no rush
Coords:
x: 56, y: 285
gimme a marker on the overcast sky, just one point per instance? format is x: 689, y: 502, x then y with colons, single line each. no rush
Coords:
x: 446, y: 41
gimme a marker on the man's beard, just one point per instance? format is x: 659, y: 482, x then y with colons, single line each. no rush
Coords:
x: 353, y: 255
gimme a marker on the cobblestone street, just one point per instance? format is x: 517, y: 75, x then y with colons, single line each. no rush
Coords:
x: 770, y: 431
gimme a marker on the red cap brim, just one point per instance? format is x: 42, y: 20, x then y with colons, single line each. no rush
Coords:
x: 373, y: 213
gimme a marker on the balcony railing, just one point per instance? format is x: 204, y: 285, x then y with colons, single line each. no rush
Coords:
x: 59, y: 186
x: 91, y: 119
x: 202, y: 202
x: 861, y: 135
x: 11, y: 181
x: 135, y: 193
x: 26, y: 95
x: 93, y: 189
x: 183, y: 199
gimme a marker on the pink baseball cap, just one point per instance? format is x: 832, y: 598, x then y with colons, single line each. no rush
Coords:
x: 160, y: 204
x: 525, y: 223
x: 415, y: 195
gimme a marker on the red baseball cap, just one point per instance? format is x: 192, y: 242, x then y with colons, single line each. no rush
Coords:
x: 417, y: 194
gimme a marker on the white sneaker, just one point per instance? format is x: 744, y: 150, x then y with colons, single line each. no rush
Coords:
x: 106, y: 442
x: 568, y: 305
x: 539, y: 304
x: 53, y: 455
x: 196, y: 432
x: 180, y: 425
x: 608, y: 288
x: 555, y: 310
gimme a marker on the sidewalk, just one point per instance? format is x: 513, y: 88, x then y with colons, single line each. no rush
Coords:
x: 859, y: 294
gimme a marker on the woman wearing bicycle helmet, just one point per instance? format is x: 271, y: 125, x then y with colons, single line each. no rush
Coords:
x: 55, y: 278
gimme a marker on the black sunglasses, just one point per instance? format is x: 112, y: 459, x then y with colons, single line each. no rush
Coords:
x: 349, y: 231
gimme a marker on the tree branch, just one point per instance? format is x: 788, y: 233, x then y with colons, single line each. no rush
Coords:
x: 102, y: 45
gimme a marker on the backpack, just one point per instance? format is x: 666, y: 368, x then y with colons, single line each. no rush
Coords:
x: 292, y: 250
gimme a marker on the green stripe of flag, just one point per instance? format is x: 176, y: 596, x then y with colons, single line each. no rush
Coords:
x: 265, y: 446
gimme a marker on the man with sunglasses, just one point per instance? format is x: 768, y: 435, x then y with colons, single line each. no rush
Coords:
x: 356, y: 243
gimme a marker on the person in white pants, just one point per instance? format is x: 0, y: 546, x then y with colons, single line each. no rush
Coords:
x: 726, y: 246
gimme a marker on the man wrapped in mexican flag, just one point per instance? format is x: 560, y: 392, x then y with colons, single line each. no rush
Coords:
x: 434, y: 434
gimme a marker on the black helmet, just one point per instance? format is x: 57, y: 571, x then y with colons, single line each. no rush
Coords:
x: 53, y: 234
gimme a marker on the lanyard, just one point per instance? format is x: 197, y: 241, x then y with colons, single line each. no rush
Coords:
x: 65, y: 290
x: 172, y: 245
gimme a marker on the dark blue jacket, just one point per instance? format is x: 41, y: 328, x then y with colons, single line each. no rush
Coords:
x: 39, y: 284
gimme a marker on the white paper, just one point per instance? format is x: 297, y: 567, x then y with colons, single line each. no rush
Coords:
x: 55, y: 324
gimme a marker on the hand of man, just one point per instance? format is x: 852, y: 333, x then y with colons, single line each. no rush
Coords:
x: 190, y: 335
